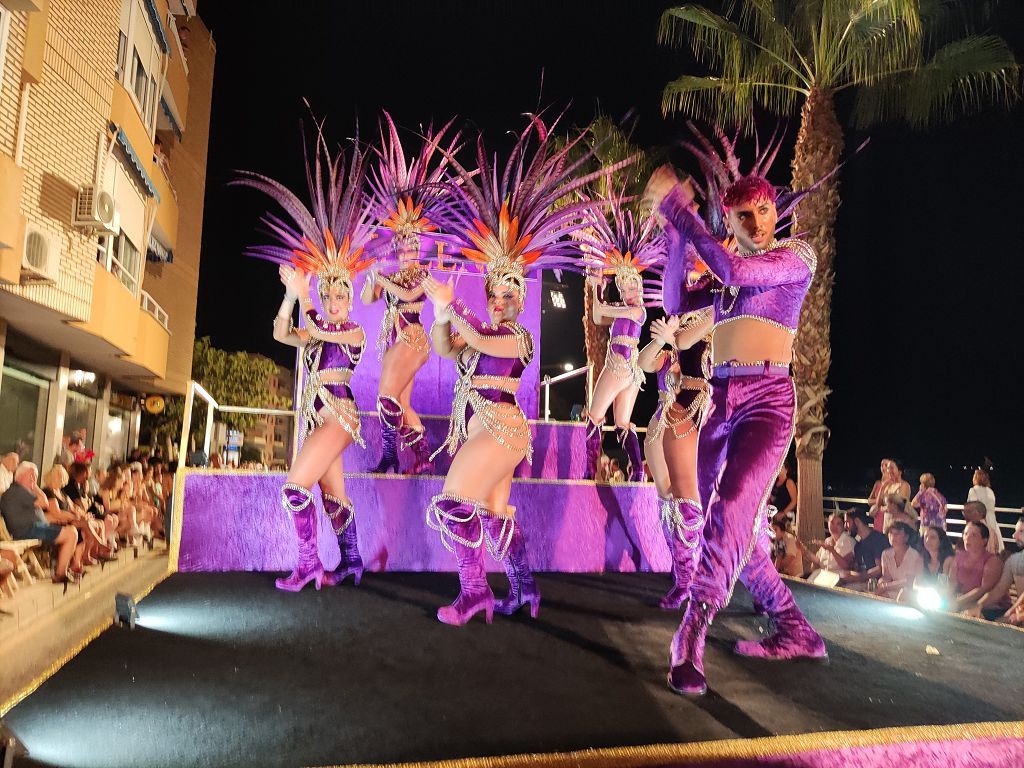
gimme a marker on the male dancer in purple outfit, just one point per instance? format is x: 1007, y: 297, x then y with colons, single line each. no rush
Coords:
x: 750, y: 422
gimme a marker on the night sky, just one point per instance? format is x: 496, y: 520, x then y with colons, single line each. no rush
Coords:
x: 927, y: 357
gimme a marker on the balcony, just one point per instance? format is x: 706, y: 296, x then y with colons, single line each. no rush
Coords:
x: 166, y: 226
x: 152, y: 339
x: 125, y: 114
x: 175, y: 92
x: 12, y: 223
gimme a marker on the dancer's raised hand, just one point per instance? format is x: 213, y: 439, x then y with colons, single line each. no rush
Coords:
x: 664, y: 329
x: 440, y: 295
x: 662, y: 182
x: 296, y: 282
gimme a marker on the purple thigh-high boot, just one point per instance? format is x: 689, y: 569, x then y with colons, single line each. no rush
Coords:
x: 390, y: 412
x: 506, y: 543
x: 299, y: 502
x: 594, y: 434
x: 458, y: 521
x: 631, y: 444
x: 342, y: 515
x: 742, y: 444
x: 794, y: 637
x: 682, y: 522
x: 416, y: 440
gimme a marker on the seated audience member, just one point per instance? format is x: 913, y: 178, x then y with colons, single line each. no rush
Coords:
x: 867, y: 553
x: 114, y: 497
x: 936, y: 556
x: 930, y: 504
x: 785, y: 551
x: 835, y: 553
x: 603, y: 469
x: 64, y: 511
x: 615, y: 474
x: 901, y: 563
x: 142, y: 497
x: 976, y: 571
x: 8, y: 464
x: 22, y: 509
x: 1012, y: 578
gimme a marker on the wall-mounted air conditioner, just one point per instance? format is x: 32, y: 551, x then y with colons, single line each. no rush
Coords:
x: 95, y: 209
x: 39, y: 261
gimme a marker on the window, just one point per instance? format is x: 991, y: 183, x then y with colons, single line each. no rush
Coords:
x: 124, y: 264
x: 151, y: 104
x: 23, y: 413
x: 139, y: 80
x: 122, y: 55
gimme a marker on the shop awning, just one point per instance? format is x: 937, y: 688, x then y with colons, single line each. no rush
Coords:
x: 158, y: 26
x: 170, y: 116
x: 157, y: 252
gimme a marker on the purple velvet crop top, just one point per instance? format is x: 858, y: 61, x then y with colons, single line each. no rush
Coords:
x: 487, y: 365
x: 767, y: 285
x: 624, y: 326
x: 691, y: 360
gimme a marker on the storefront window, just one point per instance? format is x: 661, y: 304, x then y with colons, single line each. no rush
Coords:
x: 115, y: 441
x: 23, y: 399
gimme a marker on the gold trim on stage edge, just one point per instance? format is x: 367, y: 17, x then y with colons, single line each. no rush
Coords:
x: 726, y: 749
x: 29, y: 688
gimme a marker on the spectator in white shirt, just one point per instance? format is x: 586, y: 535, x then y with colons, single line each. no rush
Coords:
x: 901, y: 563
x: 835, y: 553
x: 8, y: 464
x: 982, y: 492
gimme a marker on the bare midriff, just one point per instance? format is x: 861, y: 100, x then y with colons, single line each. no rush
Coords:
x: 749, y: 340
x: 336, y: 376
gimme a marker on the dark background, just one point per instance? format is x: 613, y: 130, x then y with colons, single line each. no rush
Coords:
x: 925, y: 340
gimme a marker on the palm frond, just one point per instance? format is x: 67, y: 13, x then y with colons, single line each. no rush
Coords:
x: 731, y: 103
x: 962, y: 77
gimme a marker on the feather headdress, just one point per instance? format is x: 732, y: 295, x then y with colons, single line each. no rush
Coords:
x: 333, y: 238
x: 630, y: 247
x: 721, y: 169
x: 406, y: 190
x: 505, y: 218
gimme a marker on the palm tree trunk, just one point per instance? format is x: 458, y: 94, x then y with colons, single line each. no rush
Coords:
x: 819, y: 146
x: 595, y: 336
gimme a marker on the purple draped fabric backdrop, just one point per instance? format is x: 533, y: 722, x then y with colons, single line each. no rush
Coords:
x: 234, y: 522
x: 432, y: 393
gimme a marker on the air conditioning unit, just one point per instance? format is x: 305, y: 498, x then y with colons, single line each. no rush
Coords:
x: 94, y: 209
x: 38, y: 262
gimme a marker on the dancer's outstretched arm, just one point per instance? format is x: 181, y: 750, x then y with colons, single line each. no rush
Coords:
x: 405, y: 295
x: 296, y: 283
x: 501, y: 342
x: 604, y: 312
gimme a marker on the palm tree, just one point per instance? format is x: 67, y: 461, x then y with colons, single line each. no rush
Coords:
x: 918, y: 62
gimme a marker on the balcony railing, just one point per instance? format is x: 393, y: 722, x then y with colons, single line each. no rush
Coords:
x: 149, y: 304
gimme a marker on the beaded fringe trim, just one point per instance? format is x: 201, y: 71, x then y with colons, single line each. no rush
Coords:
x: 340, y: 508
x: 438, y: 519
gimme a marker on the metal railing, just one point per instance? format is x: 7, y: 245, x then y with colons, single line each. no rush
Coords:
x: 149, y: 304
x: 959, y: 522
x: 212, y: 407
x: 548, y: 380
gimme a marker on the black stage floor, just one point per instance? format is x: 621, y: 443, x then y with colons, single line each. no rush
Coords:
x: 227, y: 671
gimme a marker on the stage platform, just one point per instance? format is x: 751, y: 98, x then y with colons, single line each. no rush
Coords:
x: 226, y: 671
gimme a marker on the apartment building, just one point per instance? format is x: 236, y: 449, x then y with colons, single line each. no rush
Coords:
x: 104, y: 124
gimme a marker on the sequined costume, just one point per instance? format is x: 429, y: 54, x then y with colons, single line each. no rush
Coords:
x: 487, y: 386
x: 742, y: 443
x: 408, y: 199
x: 329, y: 364
x: 623, y: 343
x: 507, y: 224
x: 333, y: 241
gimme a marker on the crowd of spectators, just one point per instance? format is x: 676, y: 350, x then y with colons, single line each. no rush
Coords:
x: 81, y: 513
x: 899, y: 548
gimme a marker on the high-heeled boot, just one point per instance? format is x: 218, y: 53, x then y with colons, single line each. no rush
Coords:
x: 794, y: 637
x: 458, y: 521
x: 631, y: 444
x: 686, y: 673
x: 507, y: 544
x: 342, y: 515
x: 390, y: 412
x: 682, y: 522
x: 416, y: 440
x: 299, y: 502
x: 594, y: 435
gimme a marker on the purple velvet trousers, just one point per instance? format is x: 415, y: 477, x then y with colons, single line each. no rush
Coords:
x: 742, y: 445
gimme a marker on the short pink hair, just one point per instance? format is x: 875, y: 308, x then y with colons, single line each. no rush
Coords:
x: 749, y: 189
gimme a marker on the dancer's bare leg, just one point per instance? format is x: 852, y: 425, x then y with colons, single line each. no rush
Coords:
x: 681, y: 462
x: 398, y: 369
x: 655, y: 453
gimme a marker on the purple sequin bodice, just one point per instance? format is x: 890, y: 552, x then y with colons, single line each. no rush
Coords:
x: 624, y: 326
x: 767, y: 285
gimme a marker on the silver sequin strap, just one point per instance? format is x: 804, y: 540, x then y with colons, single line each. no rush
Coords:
x: 439, y: 520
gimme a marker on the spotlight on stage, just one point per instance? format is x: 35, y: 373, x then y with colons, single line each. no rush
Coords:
x: 568, y: 367
x: 557, y: 299
x: 10, y: 746
x: 125, y: 611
